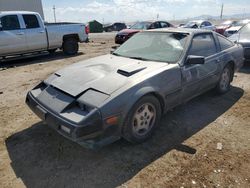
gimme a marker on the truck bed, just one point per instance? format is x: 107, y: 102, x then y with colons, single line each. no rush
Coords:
x: 60, y: 23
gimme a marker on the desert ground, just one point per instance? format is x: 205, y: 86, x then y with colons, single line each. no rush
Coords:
x: 203, y: 143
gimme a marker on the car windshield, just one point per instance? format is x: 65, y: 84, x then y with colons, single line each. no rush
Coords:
x: 141, y: 25
x: 154, y: 46
x: 245, y: 30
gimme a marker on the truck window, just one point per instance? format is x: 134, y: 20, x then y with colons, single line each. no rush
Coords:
x: 31, y: 21
x: 10, y: 22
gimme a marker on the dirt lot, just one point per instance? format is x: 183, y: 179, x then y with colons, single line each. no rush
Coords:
x: 182, y: 153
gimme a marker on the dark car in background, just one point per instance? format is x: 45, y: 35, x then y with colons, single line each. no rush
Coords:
x: 243, y: 37
x: 199, y: 24
x: 225, y: 25
x: 114, y: 27
x: 125, y: 34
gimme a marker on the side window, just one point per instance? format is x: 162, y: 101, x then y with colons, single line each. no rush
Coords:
x: 208, y: 23
x: 10, y: 22
x: 203, y: 24
x: 154, y: 25
x: 164, y: 24
x: 224, y: 43
x: 203, y: 45
x: 158, y: 25
x: 31, y: 21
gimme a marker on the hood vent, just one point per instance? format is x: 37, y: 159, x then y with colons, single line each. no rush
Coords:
x: 130, y: 70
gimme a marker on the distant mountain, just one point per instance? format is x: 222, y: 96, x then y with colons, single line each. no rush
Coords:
x: 233, y: 16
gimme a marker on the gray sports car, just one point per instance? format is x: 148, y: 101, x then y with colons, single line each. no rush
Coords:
x: 124, y: 94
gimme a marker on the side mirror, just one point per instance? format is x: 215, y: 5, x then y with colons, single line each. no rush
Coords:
x: 194, y: 60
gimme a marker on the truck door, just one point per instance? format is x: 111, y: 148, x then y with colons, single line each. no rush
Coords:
x: 197, y: 78
x: 12, y: 37
x: 35, y: 33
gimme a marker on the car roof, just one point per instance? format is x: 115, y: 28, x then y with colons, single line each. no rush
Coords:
x: 180, y: 30
x: 198, y: 21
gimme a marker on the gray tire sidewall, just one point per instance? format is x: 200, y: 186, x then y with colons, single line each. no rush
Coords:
x: 128, y: 133
x: 70, y: 46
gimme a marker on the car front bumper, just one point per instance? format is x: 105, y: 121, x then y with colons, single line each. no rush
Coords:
x: 90, y: 135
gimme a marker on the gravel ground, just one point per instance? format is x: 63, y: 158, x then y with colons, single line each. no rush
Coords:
x: 203, y: 143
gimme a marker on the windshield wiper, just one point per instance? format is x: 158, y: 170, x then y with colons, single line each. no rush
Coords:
x: 139, y: 58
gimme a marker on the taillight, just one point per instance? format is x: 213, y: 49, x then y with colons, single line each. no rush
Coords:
x: 87, y: 29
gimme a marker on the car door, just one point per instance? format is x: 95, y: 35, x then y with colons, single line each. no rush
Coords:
x: 35, y: 33
x: 197, y: 78
x: 12, y: 36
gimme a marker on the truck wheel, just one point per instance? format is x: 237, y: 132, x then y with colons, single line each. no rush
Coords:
x: 70, y: 46
x: 142, y: 119
x: 223, y: 85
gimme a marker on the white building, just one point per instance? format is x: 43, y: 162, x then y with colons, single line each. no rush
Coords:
x: 22, y: 5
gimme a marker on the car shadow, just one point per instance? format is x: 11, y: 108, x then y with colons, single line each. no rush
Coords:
x: 43, y: 158
x: 43, y: 57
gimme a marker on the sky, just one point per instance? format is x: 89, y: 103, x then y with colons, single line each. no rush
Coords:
x: 137, y: 10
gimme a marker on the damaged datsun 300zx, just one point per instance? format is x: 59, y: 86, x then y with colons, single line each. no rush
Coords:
x: 123, y: 94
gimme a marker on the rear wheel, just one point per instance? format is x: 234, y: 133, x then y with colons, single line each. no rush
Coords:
x: 224, y: 83
x: 70, y: 46
x: 142, y: 119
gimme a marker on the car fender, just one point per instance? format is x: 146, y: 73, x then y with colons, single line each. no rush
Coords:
x: 139, y: 94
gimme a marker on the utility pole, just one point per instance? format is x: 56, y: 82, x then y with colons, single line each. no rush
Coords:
x: 157, y: 17
x: 54, y: 10
x: 244, y: 14
x: 221, y: 13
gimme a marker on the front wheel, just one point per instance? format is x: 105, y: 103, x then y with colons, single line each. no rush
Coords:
x: 224, y: 83
x: 70, y: 46
x: 142, y: 119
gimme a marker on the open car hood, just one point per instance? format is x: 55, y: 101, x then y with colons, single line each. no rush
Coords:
x: 105, y: 74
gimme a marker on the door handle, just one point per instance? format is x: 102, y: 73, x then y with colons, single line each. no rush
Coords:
x: 41, y: 31
x: 20, y: 33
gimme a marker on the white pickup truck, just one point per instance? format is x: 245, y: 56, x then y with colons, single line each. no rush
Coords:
x: 25, y: 32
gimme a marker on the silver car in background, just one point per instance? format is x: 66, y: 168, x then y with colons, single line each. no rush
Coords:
x: 199, y: 24
x: 234, y: 29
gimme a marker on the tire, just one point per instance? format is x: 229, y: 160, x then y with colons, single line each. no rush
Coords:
x: 223, y: 85
x: 52, y: 51
x: 142, y: 119
x: 70, y: 46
